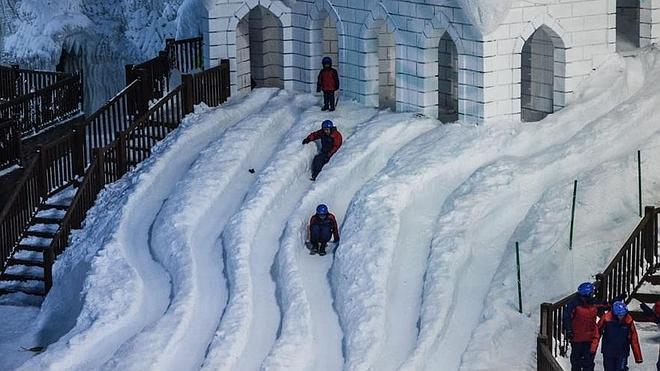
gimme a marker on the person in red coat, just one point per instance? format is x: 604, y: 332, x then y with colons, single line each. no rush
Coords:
x: 328, y: 82
x: 330, y: 142
x: 322, y: 226
x: 619, y: 336
x: 579, y: 321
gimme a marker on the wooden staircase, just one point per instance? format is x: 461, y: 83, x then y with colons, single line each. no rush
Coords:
x: 649, y: 293
x: 24, y: 272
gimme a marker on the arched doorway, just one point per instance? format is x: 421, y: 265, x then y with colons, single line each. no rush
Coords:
x: 627, y: 25
x: 542, y: 74
x: 386, y: 67
x: 447, y: 79
x: 323, y: 38
x: 259, y: 51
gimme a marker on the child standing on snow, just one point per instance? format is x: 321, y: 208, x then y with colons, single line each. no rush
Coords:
x: 619, y: 335
x: 322, y: 226
x: 330, y: 142
x: 579, y: 321
x: 328, y: 82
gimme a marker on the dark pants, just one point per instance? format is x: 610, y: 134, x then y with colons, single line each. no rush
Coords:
x: 581, y: 357
x: 615, y: 363
x: 329, y: 99
x: 319, y: 161
x: 319, y: 234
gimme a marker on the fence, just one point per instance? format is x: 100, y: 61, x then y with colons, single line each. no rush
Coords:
x: 624, y: 274
x: 10, y: 144
x: 15, y: 81
x: 208, y: 86
x: 16, y: 214
x: 43, y: 108
x: 185, y: 55
x: 182, y: 55
x: 128, y: 148
x: 113, y: 117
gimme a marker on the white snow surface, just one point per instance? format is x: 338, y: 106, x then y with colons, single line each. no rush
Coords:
x: 192, y: 261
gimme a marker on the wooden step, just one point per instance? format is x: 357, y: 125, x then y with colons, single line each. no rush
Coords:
x: 24, y: 290
x: 15, y: 277
x: 54, y: 206
x: 646, y: 298
x: 639, y: 316
x: 31, y: 248
x: 42, y: 220
x: 29, y: 263
x: 40, y: 234
x: 653, y: 280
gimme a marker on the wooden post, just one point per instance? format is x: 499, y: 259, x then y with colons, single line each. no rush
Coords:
x: 42, y: 170
x: 79, y: 150
x: 188, y: 94
x: 16, y: 134
x: 49, y: 258
x: 649, y: 241
x: 129, y: 75
x: 601, y: 287
x: 170, y: 50
x: 99, y: 157
x: 143, y: 94
x: 14, y: 83
x: 121, y: 154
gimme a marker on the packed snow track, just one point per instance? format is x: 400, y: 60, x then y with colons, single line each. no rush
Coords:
x: 196, y: 259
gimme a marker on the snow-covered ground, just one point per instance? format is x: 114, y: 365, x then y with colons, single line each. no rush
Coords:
x: 193, y: 261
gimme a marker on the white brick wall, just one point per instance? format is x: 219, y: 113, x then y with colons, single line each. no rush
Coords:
x: 484, y: 79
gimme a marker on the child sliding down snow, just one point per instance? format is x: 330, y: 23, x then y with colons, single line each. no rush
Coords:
x: 322, y: 226
x: 330, y: 142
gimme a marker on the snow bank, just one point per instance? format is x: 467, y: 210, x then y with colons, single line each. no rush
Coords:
x: 111, y: 254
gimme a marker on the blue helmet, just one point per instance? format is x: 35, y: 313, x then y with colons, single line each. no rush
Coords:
x: 619, y: 308
x: 322, y: 209
x: 326, y: 60
x: 585, y: 289
x: 327, y: 124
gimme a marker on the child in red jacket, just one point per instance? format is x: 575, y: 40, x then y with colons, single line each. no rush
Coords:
x: 328, y: 82
x: 330, y: 142
x: 619, y: 336
x: 579, y: 321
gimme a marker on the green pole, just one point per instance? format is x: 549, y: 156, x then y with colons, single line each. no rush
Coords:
x: 570, y: 241
x: 639, y: 178
x: 519, y: 285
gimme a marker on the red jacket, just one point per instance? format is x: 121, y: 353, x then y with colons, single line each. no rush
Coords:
x: 334, y: 135
x: 618, y: 337
x: 331, y: 220
x: 328, y: 80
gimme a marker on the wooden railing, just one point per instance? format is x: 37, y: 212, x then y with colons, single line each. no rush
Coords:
x: 15, y: 81
x: 154, y: 74
x: 16, y: 214
x: 182, y: 55
x: 129, y: 147
x: 103, y: 126
x: 209, y: 86
x: 636, y: 259
x: 10, y: 144
x: 186, y: 56
x: 43, y: 108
